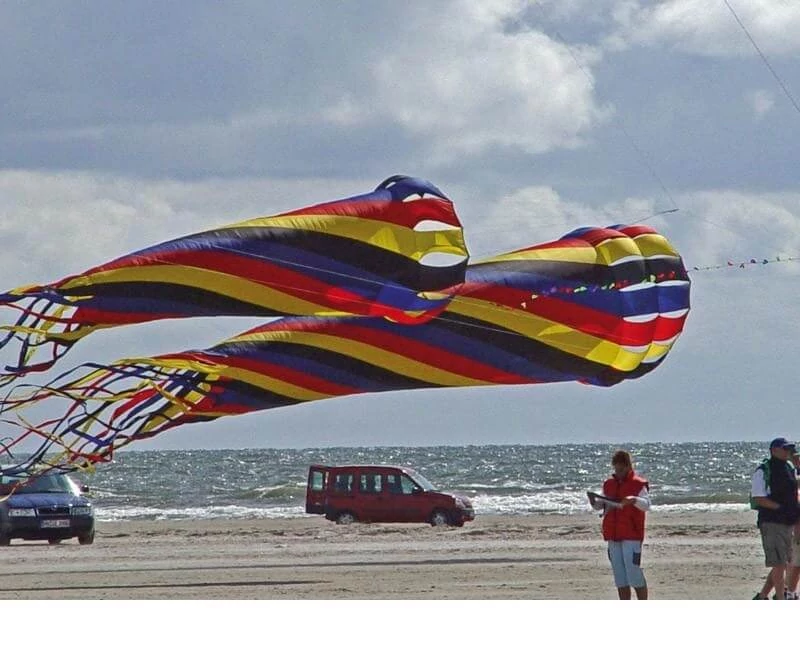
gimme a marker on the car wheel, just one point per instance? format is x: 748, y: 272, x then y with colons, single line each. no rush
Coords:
x: 5, y: 540
x: 53, y: 541
x: 86, y: 539
x: 345, y: 518
x: 440, y: 518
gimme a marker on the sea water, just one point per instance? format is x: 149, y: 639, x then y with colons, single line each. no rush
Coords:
x: 500, y: 479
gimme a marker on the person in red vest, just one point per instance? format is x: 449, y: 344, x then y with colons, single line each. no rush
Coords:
x: 625, y: 500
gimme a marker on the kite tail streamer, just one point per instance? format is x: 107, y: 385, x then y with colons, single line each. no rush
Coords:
x: 100, y: 408
x: 44, y: 319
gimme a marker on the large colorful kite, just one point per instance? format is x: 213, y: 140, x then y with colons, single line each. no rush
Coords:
x: 598, y: 306
x: 385, y: 253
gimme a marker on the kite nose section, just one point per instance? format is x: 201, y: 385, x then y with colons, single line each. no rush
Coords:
x: 403, y: 188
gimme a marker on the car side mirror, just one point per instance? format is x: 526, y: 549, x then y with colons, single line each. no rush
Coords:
x: 85, y: 488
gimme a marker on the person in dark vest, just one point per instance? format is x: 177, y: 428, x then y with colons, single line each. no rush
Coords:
x: 773, y: 491
x: 793, y: 571
x: 626, y: 499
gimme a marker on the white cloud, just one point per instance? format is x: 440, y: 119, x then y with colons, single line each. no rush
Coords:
x: 761, y: 102
x: 55, y: 224
x: 718, y: 226
x: 711, y: 28
x: 461, y: 85
x: 711, y: 227
x: 474, y: 85
x: 64, y: 223
x: 526, y: 217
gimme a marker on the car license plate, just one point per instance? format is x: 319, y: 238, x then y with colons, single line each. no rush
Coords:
x: 55, y: 523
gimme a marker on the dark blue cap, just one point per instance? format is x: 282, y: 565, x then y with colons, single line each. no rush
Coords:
x: 781, y: 443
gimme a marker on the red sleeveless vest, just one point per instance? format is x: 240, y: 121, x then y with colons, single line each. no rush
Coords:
x: 628, y: 522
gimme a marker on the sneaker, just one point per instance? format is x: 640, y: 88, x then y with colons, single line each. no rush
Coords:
x: 758, y: 596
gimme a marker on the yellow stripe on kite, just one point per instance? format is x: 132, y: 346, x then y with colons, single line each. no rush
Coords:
x: 657, y: 350
x: 554, y: 334
x: 275, y: 385
x: 562, y: 254
x: 370, y: 354
x: 655, y: 245
x: 245, y: 290
x: 614, y: 249
x: 213, y: 369
x: 395, y: 238
x: 607, y: 252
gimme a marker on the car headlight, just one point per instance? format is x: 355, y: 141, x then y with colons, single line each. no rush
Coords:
x: 21, y: 512
x: 81, y: 511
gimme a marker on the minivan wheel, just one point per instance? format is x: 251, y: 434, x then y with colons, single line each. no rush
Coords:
x: 86, y: 539
x: 440, y: 518
x: 344, y: 518
x: 5, y: 540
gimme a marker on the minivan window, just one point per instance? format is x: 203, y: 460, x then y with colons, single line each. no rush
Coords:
x: 371, y: 483
x: 400, y: 484
x: 317, y: 481
x: 407, y: 484
x: 393, y: 484
x: 424, y: 483
x: 344, y: 482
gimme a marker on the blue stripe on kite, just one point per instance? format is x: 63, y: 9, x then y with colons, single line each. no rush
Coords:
x: 432, y: 334
x: 654, y: 298
x: 444, y: 337
x: 322, y: 370
x: 326, y: 270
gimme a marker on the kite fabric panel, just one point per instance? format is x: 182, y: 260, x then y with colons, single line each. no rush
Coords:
x: 366, y: 255
x: 598, y: 306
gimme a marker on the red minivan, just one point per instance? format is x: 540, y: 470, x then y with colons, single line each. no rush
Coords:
x: 382, y: 493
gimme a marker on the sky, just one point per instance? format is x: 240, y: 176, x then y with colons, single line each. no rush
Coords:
x: 125, y: 124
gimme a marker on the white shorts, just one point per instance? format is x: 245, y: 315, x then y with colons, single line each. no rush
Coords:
x: 626, y: 562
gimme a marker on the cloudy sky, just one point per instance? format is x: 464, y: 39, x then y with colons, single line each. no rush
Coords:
x: 123, y: 124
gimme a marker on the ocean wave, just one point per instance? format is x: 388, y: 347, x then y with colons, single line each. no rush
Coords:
x: 520, y: 479
x: 134, y: 513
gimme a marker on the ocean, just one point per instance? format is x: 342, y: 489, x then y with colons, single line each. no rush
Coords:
x: 500, y: 479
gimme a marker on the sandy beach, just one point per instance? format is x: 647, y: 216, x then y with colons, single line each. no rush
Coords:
x: 694, y: 556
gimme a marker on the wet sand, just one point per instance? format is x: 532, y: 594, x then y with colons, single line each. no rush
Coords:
x: 695, y: 556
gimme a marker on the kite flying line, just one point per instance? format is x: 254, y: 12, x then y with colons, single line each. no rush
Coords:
x: 763, y: 57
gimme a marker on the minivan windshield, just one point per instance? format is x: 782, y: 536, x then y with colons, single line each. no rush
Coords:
x: 51, y: 483
x: 424, y: 483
